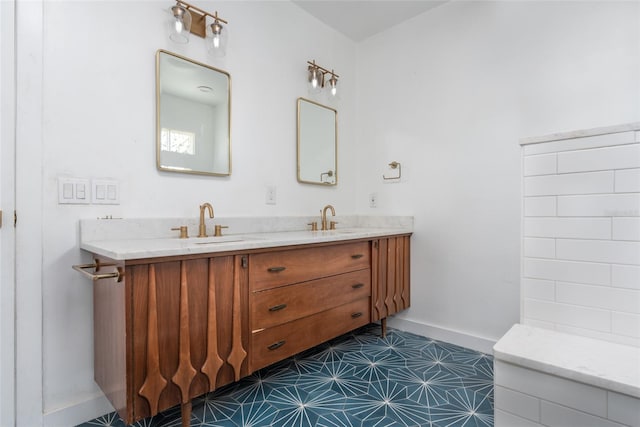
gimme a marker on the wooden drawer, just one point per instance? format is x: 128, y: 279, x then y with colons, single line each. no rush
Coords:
x: 273, y: 269
x: 286, y: 303
x: 273, y: 344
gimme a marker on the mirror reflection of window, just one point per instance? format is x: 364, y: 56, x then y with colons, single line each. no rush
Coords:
x: 176, y: 141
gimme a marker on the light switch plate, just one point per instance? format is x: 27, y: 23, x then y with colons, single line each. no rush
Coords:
x: 105, y: 192
x: 74, y: 191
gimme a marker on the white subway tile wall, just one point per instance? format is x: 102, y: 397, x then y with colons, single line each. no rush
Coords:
x: 627, y: 180
x: 581, y: 238
x: 525, y: 397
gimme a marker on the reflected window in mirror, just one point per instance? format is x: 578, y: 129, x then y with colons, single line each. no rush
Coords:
x: 177, y: 141
x: 317, y: 143
x: 193, y: 109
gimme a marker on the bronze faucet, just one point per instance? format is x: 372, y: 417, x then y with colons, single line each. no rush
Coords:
x: 202, y: 230
x: 324, y: 216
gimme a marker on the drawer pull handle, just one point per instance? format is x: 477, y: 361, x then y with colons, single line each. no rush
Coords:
x: 278, y: 307
x: 356, y: 315
x: 357, y: 285
x: 276, y: 269
x: 357, y: 256
x: 276, y: 345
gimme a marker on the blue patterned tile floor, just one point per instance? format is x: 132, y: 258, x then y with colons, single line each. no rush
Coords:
x: 356, y: 380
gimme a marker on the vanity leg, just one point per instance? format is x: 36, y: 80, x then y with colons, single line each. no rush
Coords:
x: 186, y: 414
x: 383, y: 324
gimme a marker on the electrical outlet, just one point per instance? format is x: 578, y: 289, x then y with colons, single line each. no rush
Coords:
x: 373, y: 200
x: 270, y: 198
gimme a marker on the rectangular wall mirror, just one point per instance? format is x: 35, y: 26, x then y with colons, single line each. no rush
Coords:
x: 317, y: 143
x: 193, y: 116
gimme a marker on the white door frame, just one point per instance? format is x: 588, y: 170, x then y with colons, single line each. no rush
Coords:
x: 7, y: 204
x: 29, y: 71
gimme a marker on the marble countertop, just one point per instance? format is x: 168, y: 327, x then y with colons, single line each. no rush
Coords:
x: 627, y: 127
x: 108, y: 238
x: 595, y: 362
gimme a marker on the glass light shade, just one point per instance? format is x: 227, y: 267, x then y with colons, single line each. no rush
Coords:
x: 179, y: 24
x: 316, y: 79
x: 217, y: 36
x: 333, y: 84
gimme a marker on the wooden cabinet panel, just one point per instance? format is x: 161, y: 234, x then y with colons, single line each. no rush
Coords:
x: 273, y: 344
x: 390, y: 290
x: 286, y: 303
x: 109, y: 339
x: 273, y: 269
x: 180, y: 327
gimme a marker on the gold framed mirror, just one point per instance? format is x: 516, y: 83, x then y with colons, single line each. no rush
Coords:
x: 317, y: 146
x: 193, y: 116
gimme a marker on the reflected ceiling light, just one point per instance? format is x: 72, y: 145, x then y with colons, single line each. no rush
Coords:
x: 317, y: 80
x: 187, y: 18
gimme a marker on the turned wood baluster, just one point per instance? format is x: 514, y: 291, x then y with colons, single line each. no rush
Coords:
x: 375, y: 298
x: 154, y: 383
x: 406, y: 274
x: 389, y: 278
x: 398, y: 282
x: 213, y: 363
x: 186, y: 372
x: 238, y: 354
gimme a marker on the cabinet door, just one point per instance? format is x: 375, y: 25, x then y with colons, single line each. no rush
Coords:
x: 390, y: 278
x: 187, y: 323
x: 109, y: 344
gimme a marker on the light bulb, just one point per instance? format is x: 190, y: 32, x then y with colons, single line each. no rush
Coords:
x: 333, y: 82
x: 216, y: 41
x: 179, y: 25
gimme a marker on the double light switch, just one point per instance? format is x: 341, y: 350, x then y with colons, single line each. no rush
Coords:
x: 82, y: 191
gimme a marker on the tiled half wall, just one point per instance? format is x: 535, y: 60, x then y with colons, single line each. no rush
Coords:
x: 581, y: 233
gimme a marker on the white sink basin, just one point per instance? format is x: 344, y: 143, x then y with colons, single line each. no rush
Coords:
x: 216, y: 240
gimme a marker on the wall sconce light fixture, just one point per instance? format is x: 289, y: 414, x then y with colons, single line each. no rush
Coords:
x: 317, y: 78
x: 186, y: 19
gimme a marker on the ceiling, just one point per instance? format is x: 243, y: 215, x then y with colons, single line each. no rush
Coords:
x: 360, y: 19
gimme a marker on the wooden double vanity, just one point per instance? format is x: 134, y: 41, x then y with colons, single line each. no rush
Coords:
x: 171, y: 328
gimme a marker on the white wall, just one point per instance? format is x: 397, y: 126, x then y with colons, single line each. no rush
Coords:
x: 449, y: 94
x: 98, y: 120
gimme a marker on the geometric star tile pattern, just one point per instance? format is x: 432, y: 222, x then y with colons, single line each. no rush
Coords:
x: 355, y: 380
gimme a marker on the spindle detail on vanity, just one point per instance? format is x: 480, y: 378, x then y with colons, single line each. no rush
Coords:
x: 213, y: 362
x: 154, y: 383
x: 186, y: 372
x: 238, y: 354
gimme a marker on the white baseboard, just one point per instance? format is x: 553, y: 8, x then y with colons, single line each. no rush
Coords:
x: 78, y: 413
x: 484, y: 345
